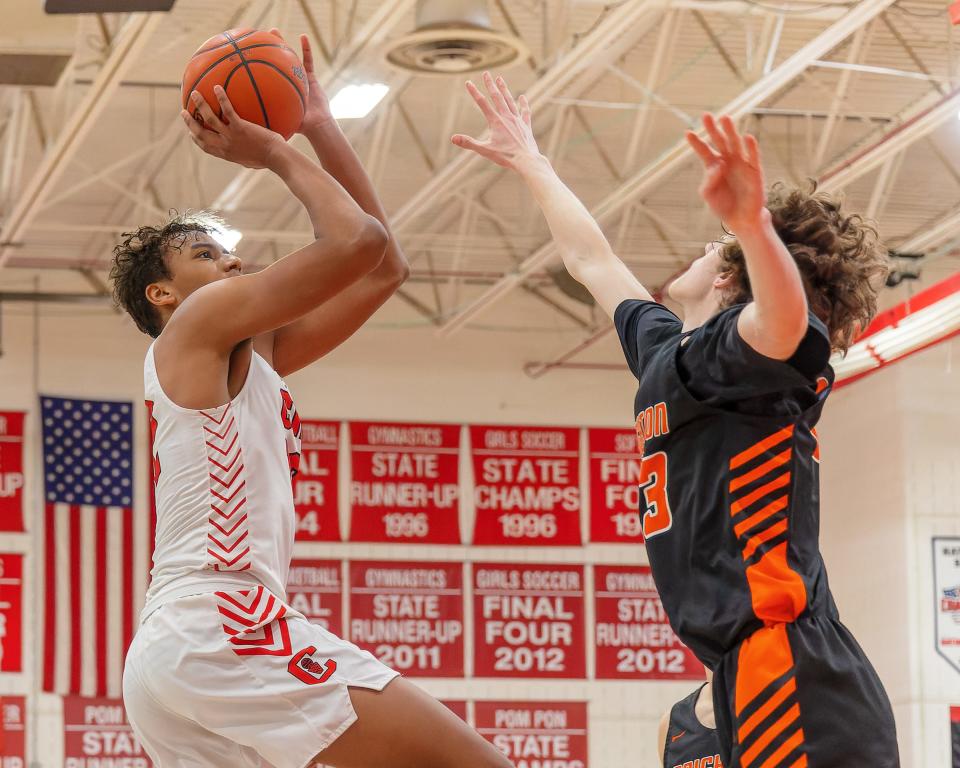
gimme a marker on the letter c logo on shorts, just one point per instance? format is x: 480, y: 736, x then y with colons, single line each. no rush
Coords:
x: 306, y: 670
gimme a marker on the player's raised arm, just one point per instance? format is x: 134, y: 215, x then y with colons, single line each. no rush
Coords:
x: 329, y: 325
x: 585, y: 251
x: 733, y: 186
x: 349, y: 243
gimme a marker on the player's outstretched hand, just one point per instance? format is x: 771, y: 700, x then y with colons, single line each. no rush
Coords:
x: 229, y: 136
x: 733, y: 183
x: 509, y: 123
x: 317, y: 111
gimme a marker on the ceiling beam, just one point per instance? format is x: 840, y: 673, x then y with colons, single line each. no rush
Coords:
x: 127, y: 45
x: 678, y: 155
x: 373, y: 32
x: 612, y: 36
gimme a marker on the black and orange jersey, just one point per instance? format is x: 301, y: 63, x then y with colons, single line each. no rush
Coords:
x: 689, y: 743
x: 729, y: 476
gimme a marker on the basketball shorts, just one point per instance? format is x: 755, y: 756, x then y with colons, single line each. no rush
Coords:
x: 241, y: 679
x: 802, y: 694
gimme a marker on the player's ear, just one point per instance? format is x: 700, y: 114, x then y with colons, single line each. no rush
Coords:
x: 723, y: 280
x: 161, y: 294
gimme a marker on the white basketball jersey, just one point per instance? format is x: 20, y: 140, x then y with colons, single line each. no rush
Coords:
x: 222, y: 477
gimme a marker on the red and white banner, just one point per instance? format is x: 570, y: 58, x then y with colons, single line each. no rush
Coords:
x: 11, y: 613
x: 315, y: 485
x: 409, y: 615
x: 97, y: 734
x: 459, y: 708
x: 405, y: 483
x: 526, y: 485
x: 13, y: 732
x: 314, y: 588
x: 536, y: 734
x: 528, y: 621
x: 11, y: 471
x: 634, y: 637
x: 614, y: 486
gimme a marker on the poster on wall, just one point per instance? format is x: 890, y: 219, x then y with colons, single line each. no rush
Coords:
x: 536, y: 733
x: 614, y: 486
x: 946, y: 586
x: 528, y: 621
x: 409, y: 615
x: 458, y: 707
x: 11, y: 612
x: 96, y: 733
x: 314, y: 588
x: 315, y: 498
x: 405, y: 483
x: 13, y: 731
x: 526, y: 485
x: 11, y: 471
x: 634, y: 640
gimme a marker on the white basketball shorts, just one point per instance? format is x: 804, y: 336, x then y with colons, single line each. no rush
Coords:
x: 241, y: 679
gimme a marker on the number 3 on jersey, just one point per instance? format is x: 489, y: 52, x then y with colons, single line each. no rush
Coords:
x: 653, y: 484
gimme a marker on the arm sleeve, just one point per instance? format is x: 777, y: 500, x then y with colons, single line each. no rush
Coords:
x: 718, y: 363
x: 641, y: 325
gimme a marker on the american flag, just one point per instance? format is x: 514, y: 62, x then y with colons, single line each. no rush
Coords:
x: 92, y: 578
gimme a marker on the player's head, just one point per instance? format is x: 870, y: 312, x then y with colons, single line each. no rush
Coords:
x: 839, y: 256
x: 156, y: 268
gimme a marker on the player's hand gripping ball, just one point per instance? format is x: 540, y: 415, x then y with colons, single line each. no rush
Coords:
x: 262, y: 76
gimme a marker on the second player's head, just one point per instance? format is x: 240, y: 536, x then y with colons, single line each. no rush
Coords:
x: 155, y: 269
x: 839, y: 256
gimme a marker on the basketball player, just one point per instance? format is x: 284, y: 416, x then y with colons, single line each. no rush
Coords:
x: 222, y: 672
x: 726, y: 408
x: 687, y: 737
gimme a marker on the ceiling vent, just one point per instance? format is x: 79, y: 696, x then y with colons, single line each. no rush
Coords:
x: 453, y: 37
x: 33, y: 69
x: 106, y: 6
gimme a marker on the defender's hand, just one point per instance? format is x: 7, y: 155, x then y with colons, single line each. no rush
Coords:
x: 510, y: 125
x: 229, y: 136
x: 733, y: 184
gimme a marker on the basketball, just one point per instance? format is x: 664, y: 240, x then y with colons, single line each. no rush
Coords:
x: 261, y: 74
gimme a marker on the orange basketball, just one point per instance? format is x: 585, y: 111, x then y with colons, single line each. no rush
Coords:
x: 262, y: 76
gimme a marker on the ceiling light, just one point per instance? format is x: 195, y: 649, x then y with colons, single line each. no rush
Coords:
x: 356, y: 101
x: 228, y: 238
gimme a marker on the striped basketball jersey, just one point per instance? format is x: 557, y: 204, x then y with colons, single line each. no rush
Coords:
x: 689, y: 743
x: 729, y: 476
x: 225, y: 516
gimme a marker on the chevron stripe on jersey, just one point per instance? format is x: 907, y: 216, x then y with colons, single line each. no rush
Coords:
x: 255, y: 621
x: 227, y: 543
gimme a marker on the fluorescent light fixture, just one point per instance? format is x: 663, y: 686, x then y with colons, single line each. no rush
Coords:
x: 228, y: 238
x: 356, y: 101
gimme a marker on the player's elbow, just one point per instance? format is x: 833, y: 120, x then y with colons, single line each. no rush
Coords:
x: 367, y: 244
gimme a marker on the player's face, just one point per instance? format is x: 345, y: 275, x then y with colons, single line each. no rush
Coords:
x: 699, y: 281
x: 201, y: 260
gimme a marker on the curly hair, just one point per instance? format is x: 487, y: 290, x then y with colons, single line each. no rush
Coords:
x: 840, y: 258
x: 139, y: 260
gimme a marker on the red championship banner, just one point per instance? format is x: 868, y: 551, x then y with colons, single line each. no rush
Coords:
x: 526, y: 485
x: 11, y: 612
x: 315, y: 589
x: 409, y: 615
x: 97, y: 734
x: 13, y: 729
x: 536, y: 734
x: 634, y: 638
x: 315, y: 485
x: 11, y: 471
x: 528, y: 620
x: 459, y: 708
x: 614, y: 486
x: 405, y: 483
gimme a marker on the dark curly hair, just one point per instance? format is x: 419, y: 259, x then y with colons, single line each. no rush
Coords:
x: 140, y: 260
x: 840, y: 258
